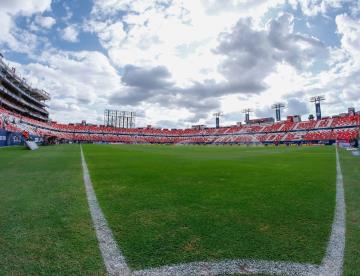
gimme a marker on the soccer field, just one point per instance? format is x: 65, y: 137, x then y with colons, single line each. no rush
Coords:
x: 178, y: 204
x: 172, y: 204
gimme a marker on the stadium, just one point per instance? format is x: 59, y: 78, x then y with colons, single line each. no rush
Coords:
x: 23, y: 110
x: 267, y: 196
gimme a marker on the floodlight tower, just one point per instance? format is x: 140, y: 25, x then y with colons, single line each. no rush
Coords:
x: 277, y: 108
x: 247, y: 112
x: 317, y: 100
x: 217, y: 116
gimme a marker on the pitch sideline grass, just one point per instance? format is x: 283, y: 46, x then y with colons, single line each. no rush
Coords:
x: 45, y: 224
x: 180, y: 204
x: 351, y: 171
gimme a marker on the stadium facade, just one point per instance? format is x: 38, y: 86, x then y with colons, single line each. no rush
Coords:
x: 18, y: 96
x: 23, y: 109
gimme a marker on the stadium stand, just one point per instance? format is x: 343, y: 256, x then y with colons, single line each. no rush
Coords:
x: 23, y: 108
x: 332, y: 129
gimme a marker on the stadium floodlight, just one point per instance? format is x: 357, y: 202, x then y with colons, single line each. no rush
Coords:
x: 317, y: 100
x: 217, y: 116
x: 277, y: 108
x: 247, y: 112
x: 119, y: 119
x: 277, y: 105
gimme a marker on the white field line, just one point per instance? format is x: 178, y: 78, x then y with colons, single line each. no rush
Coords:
x: 113, y: 259
x: 233, y: 267
x: 331, y: 264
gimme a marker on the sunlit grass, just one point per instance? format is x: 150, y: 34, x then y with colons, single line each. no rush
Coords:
x: 45, y: 225
x: 351, y: 170
x: 168, y: 204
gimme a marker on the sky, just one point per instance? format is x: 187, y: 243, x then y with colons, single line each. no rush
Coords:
x: 176, y: 62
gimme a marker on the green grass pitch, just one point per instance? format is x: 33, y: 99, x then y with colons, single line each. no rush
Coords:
x: 45, y: 225
x: 172, y: 204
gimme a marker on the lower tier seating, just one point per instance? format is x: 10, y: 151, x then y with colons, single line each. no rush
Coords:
x: 344, y: 129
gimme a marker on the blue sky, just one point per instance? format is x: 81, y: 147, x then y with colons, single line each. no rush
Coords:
x: 176, y: 62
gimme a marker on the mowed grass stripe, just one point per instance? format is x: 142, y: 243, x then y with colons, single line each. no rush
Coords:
x: 45, y: 224
x: 169, y: 205
x: 351, y: 172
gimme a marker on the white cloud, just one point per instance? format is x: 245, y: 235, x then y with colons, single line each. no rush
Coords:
x: 182, y: 35
x: 177, y: 34
x: 349, y: 29
x: 28, y: 7
x: 342, y: 81
x: 10, y: 35
x: 257, y: 8
x: 45, y: 21
x: 111, y: 35
x: 70, y: 33
x: 339, y: 84
x: 69, y: 13
x: 315, y: 7
x: 170, y: 61
x: 79, y: 82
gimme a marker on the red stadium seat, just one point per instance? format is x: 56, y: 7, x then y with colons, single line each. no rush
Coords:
x: 339, y: 128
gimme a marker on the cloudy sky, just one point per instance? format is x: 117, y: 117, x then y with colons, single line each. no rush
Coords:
x: 176, y: 62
